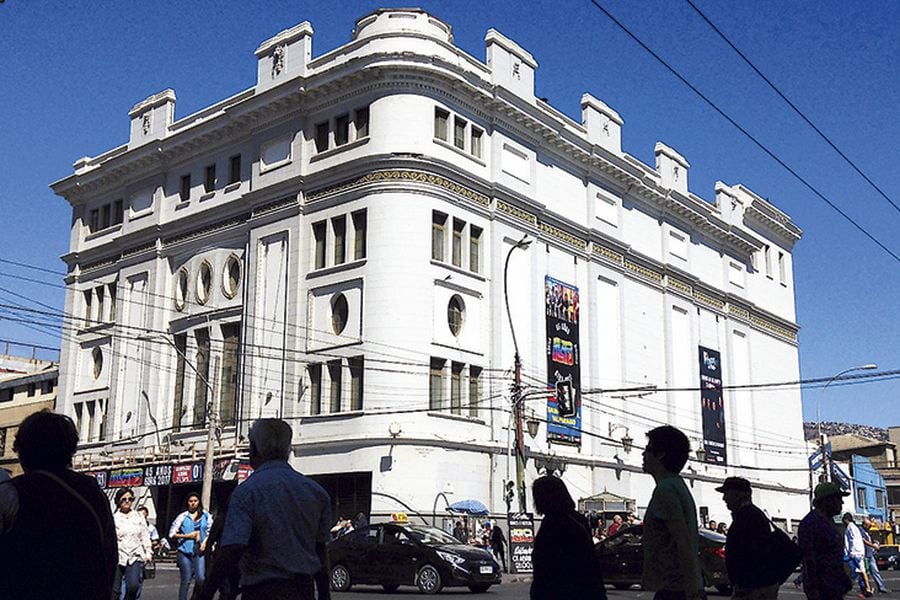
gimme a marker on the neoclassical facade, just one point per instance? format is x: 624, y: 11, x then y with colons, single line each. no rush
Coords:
x: 336, y: 246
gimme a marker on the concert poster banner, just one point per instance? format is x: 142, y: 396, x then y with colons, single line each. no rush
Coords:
x: 562, y: 305
x: 712, y: 406
x: 521, y: 542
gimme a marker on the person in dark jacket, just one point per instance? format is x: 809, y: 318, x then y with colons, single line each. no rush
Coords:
x: 563, y: 559
x: 62, y: 539
x: 750, y: 528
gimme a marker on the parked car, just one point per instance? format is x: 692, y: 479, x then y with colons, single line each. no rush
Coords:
x: 398, y: 553
x: 888, y: 557
x: 622, y: 558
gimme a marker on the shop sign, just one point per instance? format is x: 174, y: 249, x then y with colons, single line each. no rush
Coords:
x: 521, y: 542
x: 130, y: 477
x: 158, y: 475
x: 187, y: 473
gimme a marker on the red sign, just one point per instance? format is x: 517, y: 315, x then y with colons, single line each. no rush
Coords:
x: 187, y: 473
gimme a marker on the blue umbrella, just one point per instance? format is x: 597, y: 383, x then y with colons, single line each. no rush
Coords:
x: 469, y: 507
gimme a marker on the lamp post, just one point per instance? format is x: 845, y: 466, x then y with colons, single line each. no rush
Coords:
x: 206, y: 490
x: 517, y: 404
x: 866, y: 367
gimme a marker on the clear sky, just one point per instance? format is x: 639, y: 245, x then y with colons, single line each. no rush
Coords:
x: 72, y: 71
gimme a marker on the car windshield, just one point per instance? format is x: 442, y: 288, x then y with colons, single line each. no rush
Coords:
x: 431, y: 536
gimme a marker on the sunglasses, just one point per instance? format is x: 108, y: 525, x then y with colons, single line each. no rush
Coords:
x: 127, y: 499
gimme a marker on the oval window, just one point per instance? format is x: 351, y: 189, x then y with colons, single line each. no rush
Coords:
x: 232, y: 276
x: 456, y: 312
x: 204, y: 282
x: 181, y: 288
x: 97, y: 357
x: 339, y: 313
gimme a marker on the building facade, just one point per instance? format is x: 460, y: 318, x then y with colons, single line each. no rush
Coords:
x: 341, y: 245
x: 27, y: 385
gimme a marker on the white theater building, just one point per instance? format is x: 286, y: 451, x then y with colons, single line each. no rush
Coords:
x: 328, y: 246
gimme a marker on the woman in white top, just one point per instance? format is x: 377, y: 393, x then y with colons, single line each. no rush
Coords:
x: 133, y: 539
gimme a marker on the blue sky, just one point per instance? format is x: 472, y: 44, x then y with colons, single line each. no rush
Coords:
x: 71, y: 72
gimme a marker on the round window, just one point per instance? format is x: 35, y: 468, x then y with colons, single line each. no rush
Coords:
x: 339, y: 312
x: 456, y: 312
x: 204, y: 282
x: 231, y: 276
x: 97, y: 357
x: 181, y: 286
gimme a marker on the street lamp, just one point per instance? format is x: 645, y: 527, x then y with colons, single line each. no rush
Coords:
x: 517, y: 404
x: 627, y: 441
x: 866, y: 367
x: 206, y: 490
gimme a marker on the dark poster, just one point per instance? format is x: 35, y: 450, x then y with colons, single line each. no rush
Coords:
x: 521, y: 542
x: 712, y: 406
x: 563, y: 363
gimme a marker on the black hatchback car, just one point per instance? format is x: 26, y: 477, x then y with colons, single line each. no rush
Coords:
x: 395, y: 554
x: 888, y: 557
x: 622, y: 558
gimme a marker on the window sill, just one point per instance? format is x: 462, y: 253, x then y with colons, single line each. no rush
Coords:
x: 265, y: 169
x: 207, y: 196
x: 456, y: 149
x: 338, y: 149
x: 322, y: 271
x: 101, y: 232
x: 182, y: 204
x: 96, y: 328
x: 232, y: 186
x: 460, y: 270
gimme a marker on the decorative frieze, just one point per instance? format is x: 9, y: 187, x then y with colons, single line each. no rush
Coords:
x: 704, y: 298
x: 563, y: 236
x: 679, y: 285
x: 737, y: 311
x: 774, y: 328
x: 403, y: 175
x: 643, y: 271
x: 516, y: 213
x: 610, y: 255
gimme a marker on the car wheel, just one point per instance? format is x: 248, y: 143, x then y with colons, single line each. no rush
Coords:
x: 340, y: 579
x: 428, y: 580
x: 479, y: 588
x: 725, y: 590
x: 622, y: 586
x: 390, y: 588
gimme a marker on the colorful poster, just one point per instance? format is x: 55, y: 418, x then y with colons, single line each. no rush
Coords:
x: 187, y: 473
x: 100, y: 476
x: 563, y: 363
x: 521, y: 542
x: 712, y: 406
x: 130, y: 477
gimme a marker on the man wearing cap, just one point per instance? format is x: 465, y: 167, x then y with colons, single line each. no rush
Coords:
x: 855, y: 553
x: 823, y: 549
x: 750, y: 576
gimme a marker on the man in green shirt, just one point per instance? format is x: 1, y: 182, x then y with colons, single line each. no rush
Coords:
x: 671, y: 563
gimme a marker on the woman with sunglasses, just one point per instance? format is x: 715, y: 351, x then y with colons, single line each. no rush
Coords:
x: 133, y: 539
x: 189, y: 532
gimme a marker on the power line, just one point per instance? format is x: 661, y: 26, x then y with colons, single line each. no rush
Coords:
x: 793, y: 106
x: 746, y: 133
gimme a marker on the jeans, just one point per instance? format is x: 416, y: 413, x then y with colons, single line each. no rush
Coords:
x: 877, y: 579
x: 133, y: 577
x: 190, y: 566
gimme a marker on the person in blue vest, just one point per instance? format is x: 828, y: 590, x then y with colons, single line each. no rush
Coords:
x: 189, y: 532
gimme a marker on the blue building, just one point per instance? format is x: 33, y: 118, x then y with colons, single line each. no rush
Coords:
x: 867, y: 458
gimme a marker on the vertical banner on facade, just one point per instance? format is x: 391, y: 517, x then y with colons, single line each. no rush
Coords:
x: 521, y: 542
x: 563, y: 363
x: 712, y: 406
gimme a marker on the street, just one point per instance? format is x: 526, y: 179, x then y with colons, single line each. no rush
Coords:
x: 165, y: 587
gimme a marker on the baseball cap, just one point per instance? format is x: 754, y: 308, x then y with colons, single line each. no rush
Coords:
x: 824, y: 490
x: 734, y: 483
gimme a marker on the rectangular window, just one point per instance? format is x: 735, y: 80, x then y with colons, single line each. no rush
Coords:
x: 334, y: 374
x: 88, y: 296
x: 231, y: 333
x: 234, y: 169
x: 185, y: 191
x: 458, y: 227
x: 209, y: 179
x: 315, y: 389
x: 436, y: 384
x: 47, y: 386
x: 322, y: 137
x: 441, y: 119
x: 459, y: 133
x: 3, y: 436
x: 102, y: 406
x: 118, y: 212
x: 94, y: 223
x: 341, y: 130
x: 474, y: 249
x: 112, y: 302
x: 782, y: 269
x: 91, y: 420
x: 474, y: 390
x: 178, y: 396
x: 359, y: 235
x: 767, y: 253
x: 356, y: 382
x: 201, y: 392
x: 736, y: 274
x: 106, y: 216
x: 678, y: 244
x: 79, y: 419
x: 879, y: 498
x: 456, y: 384
x: 860, y: 498
x: 361, y: 122
x: 319, y: 236
x: 438, y: 229
x: 100, y: 304
x: 32, y: 389
x: 476, y: 148
x: 339, y: 227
